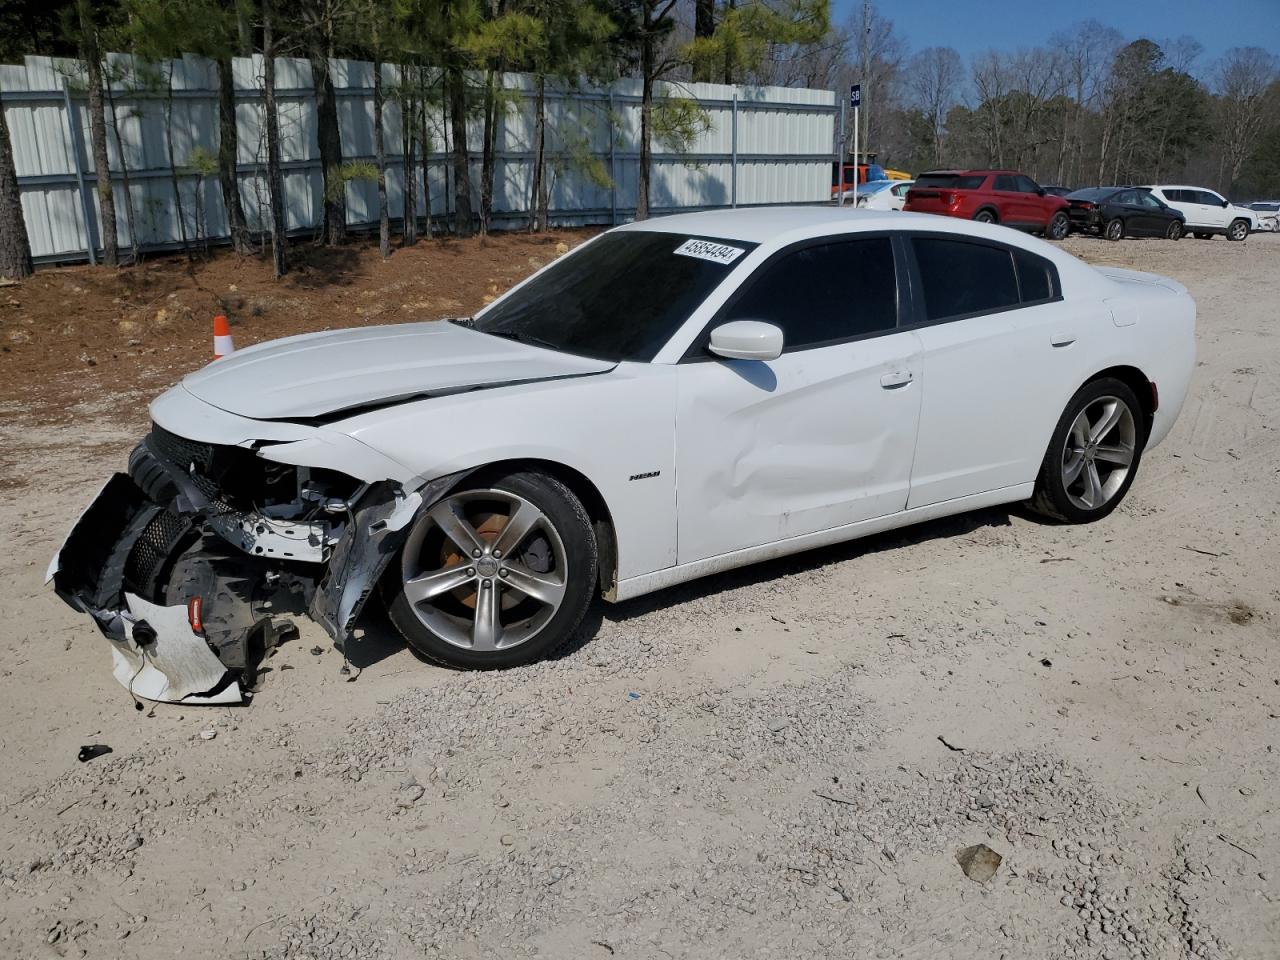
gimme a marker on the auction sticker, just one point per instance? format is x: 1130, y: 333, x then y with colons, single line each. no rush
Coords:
x: 706, y: 250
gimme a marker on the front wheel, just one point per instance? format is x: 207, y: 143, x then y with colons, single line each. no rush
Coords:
x: 1115, y: 229
x: 1059, y: 227
x: 1093, y: 454
x: 497, y: 574
x: 1238, y: 230
x: 1175, y: 231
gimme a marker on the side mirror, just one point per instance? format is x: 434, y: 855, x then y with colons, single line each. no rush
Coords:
x: 1225, y: 204
x: 747, y: 340
x: 1040, y: 191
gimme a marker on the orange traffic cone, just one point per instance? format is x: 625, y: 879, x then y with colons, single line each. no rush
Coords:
x: 222, y: 344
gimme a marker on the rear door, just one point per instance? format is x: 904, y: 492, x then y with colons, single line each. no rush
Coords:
x: 821, y: 437
x: 996, y: 340
x: 1010, y: 200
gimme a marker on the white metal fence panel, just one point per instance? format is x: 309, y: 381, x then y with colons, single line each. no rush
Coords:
x: 763, y: 145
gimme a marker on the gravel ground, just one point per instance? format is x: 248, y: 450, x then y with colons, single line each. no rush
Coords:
x: 780, y: 761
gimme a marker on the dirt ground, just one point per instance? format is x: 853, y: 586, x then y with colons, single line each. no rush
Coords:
x: 782, y: 761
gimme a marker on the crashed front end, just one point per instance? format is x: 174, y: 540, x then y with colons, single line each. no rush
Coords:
x: 192, y: 561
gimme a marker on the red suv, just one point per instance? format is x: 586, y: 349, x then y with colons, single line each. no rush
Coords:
x: 991, y: 196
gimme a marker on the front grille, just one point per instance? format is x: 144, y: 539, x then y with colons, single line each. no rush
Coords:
x: 181, y: 451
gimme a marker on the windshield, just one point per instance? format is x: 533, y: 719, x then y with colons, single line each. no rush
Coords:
x: 621, y: 297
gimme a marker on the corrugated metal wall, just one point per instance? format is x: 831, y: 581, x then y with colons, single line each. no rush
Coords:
x: 764, y: 145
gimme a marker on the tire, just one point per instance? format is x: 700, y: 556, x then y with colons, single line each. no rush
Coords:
x: 1058, y: 227
x: 469, y: 612
x: 1063, y: 489
x: 1201, y: 235
x: 1238, y: 230
x: 1175, y: 231
x: 985, y: 216
x: 1114, y: 229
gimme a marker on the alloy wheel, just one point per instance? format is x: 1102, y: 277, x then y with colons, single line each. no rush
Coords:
x: 1115, y: 229
x: 484, y: 570
x: 1175, y: 230
x: 1239, y: 230
x: 1099, y: 452
x: 1059, y: 226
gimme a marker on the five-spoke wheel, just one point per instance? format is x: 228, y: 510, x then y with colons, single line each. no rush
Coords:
x: 495, y: 574
x: 1093, y: 454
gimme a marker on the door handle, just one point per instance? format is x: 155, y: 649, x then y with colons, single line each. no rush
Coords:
x: 1062, y: 339
x: 898, y: 378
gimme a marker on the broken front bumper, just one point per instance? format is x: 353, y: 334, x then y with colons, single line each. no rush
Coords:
x: 186, y: 575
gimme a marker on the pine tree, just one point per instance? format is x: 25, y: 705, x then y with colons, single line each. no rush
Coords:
x: 15, y: 247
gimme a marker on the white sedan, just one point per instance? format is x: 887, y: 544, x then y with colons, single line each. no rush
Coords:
x: 883, y: 194
x: 672, y: 399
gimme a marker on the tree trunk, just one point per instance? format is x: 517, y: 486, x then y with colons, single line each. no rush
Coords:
x: 98, y: 136
x: 275, y: 179
x: 646, y: 125
x: 488, y: 159
x: 426, y: 151
x: 539, y: 155
x: 455, y: 83
x: 173, y: 163
x: 329, y: 138
x: 15, y: 247
x: 228, y: 150
x: 124, y: 177
x: 704, y: 25
x: 380, y: 158
x: 728, y: 53
x: 409, y: 216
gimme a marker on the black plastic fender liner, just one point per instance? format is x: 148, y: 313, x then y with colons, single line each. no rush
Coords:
x: 379, y: 525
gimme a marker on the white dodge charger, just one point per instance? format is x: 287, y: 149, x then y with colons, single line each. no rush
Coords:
x: 671, y: 399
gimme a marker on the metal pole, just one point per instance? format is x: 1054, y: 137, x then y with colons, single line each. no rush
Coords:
x: 856, y: 159
x: 86, y: 202
x: 840, y: 159
x: 613, y: 162
x: 733, y: 189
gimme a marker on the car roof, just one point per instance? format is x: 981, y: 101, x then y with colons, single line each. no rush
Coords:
x: 782, y: 225
x: 1175, y: 186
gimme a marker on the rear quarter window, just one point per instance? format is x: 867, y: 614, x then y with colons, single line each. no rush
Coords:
x: 1037, y: 278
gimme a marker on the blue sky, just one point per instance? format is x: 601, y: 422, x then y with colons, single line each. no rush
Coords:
x: 971, y: 26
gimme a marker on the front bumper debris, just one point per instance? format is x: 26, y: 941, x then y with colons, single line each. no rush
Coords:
x: 188, y: 562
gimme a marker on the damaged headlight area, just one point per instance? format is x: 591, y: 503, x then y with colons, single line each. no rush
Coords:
x: 193, y: 561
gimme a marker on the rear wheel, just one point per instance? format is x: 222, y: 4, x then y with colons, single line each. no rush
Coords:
x: 985, y: 216
x: 1093, y: 455
x: 1238, y: 230
x: 1175, y: 231
x: 1059, y: 227
x: 1115, y: 229
x: 495, y: 575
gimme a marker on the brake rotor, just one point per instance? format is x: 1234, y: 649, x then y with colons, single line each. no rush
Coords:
x: 488, y: 525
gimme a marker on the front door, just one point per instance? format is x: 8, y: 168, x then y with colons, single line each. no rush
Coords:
x: 822, y: 436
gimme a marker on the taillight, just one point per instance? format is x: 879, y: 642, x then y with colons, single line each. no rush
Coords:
x: 950, y: 199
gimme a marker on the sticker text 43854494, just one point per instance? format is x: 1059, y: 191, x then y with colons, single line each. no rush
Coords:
x: 706, y: 250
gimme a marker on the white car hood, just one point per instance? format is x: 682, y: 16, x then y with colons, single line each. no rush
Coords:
x: 322, y: 373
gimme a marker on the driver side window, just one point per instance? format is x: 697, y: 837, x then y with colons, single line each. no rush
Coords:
x: 824, y: 293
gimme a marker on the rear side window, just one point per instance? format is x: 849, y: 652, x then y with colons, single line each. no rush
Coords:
x: 825, y: 293
x: 950, y: 181
x: 961, y: 278
x: 1037, y: 277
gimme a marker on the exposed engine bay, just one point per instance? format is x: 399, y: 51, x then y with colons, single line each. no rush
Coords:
x: 192, y: 562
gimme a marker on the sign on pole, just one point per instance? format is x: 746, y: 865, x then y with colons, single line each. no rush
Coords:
x: 855, y: 95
